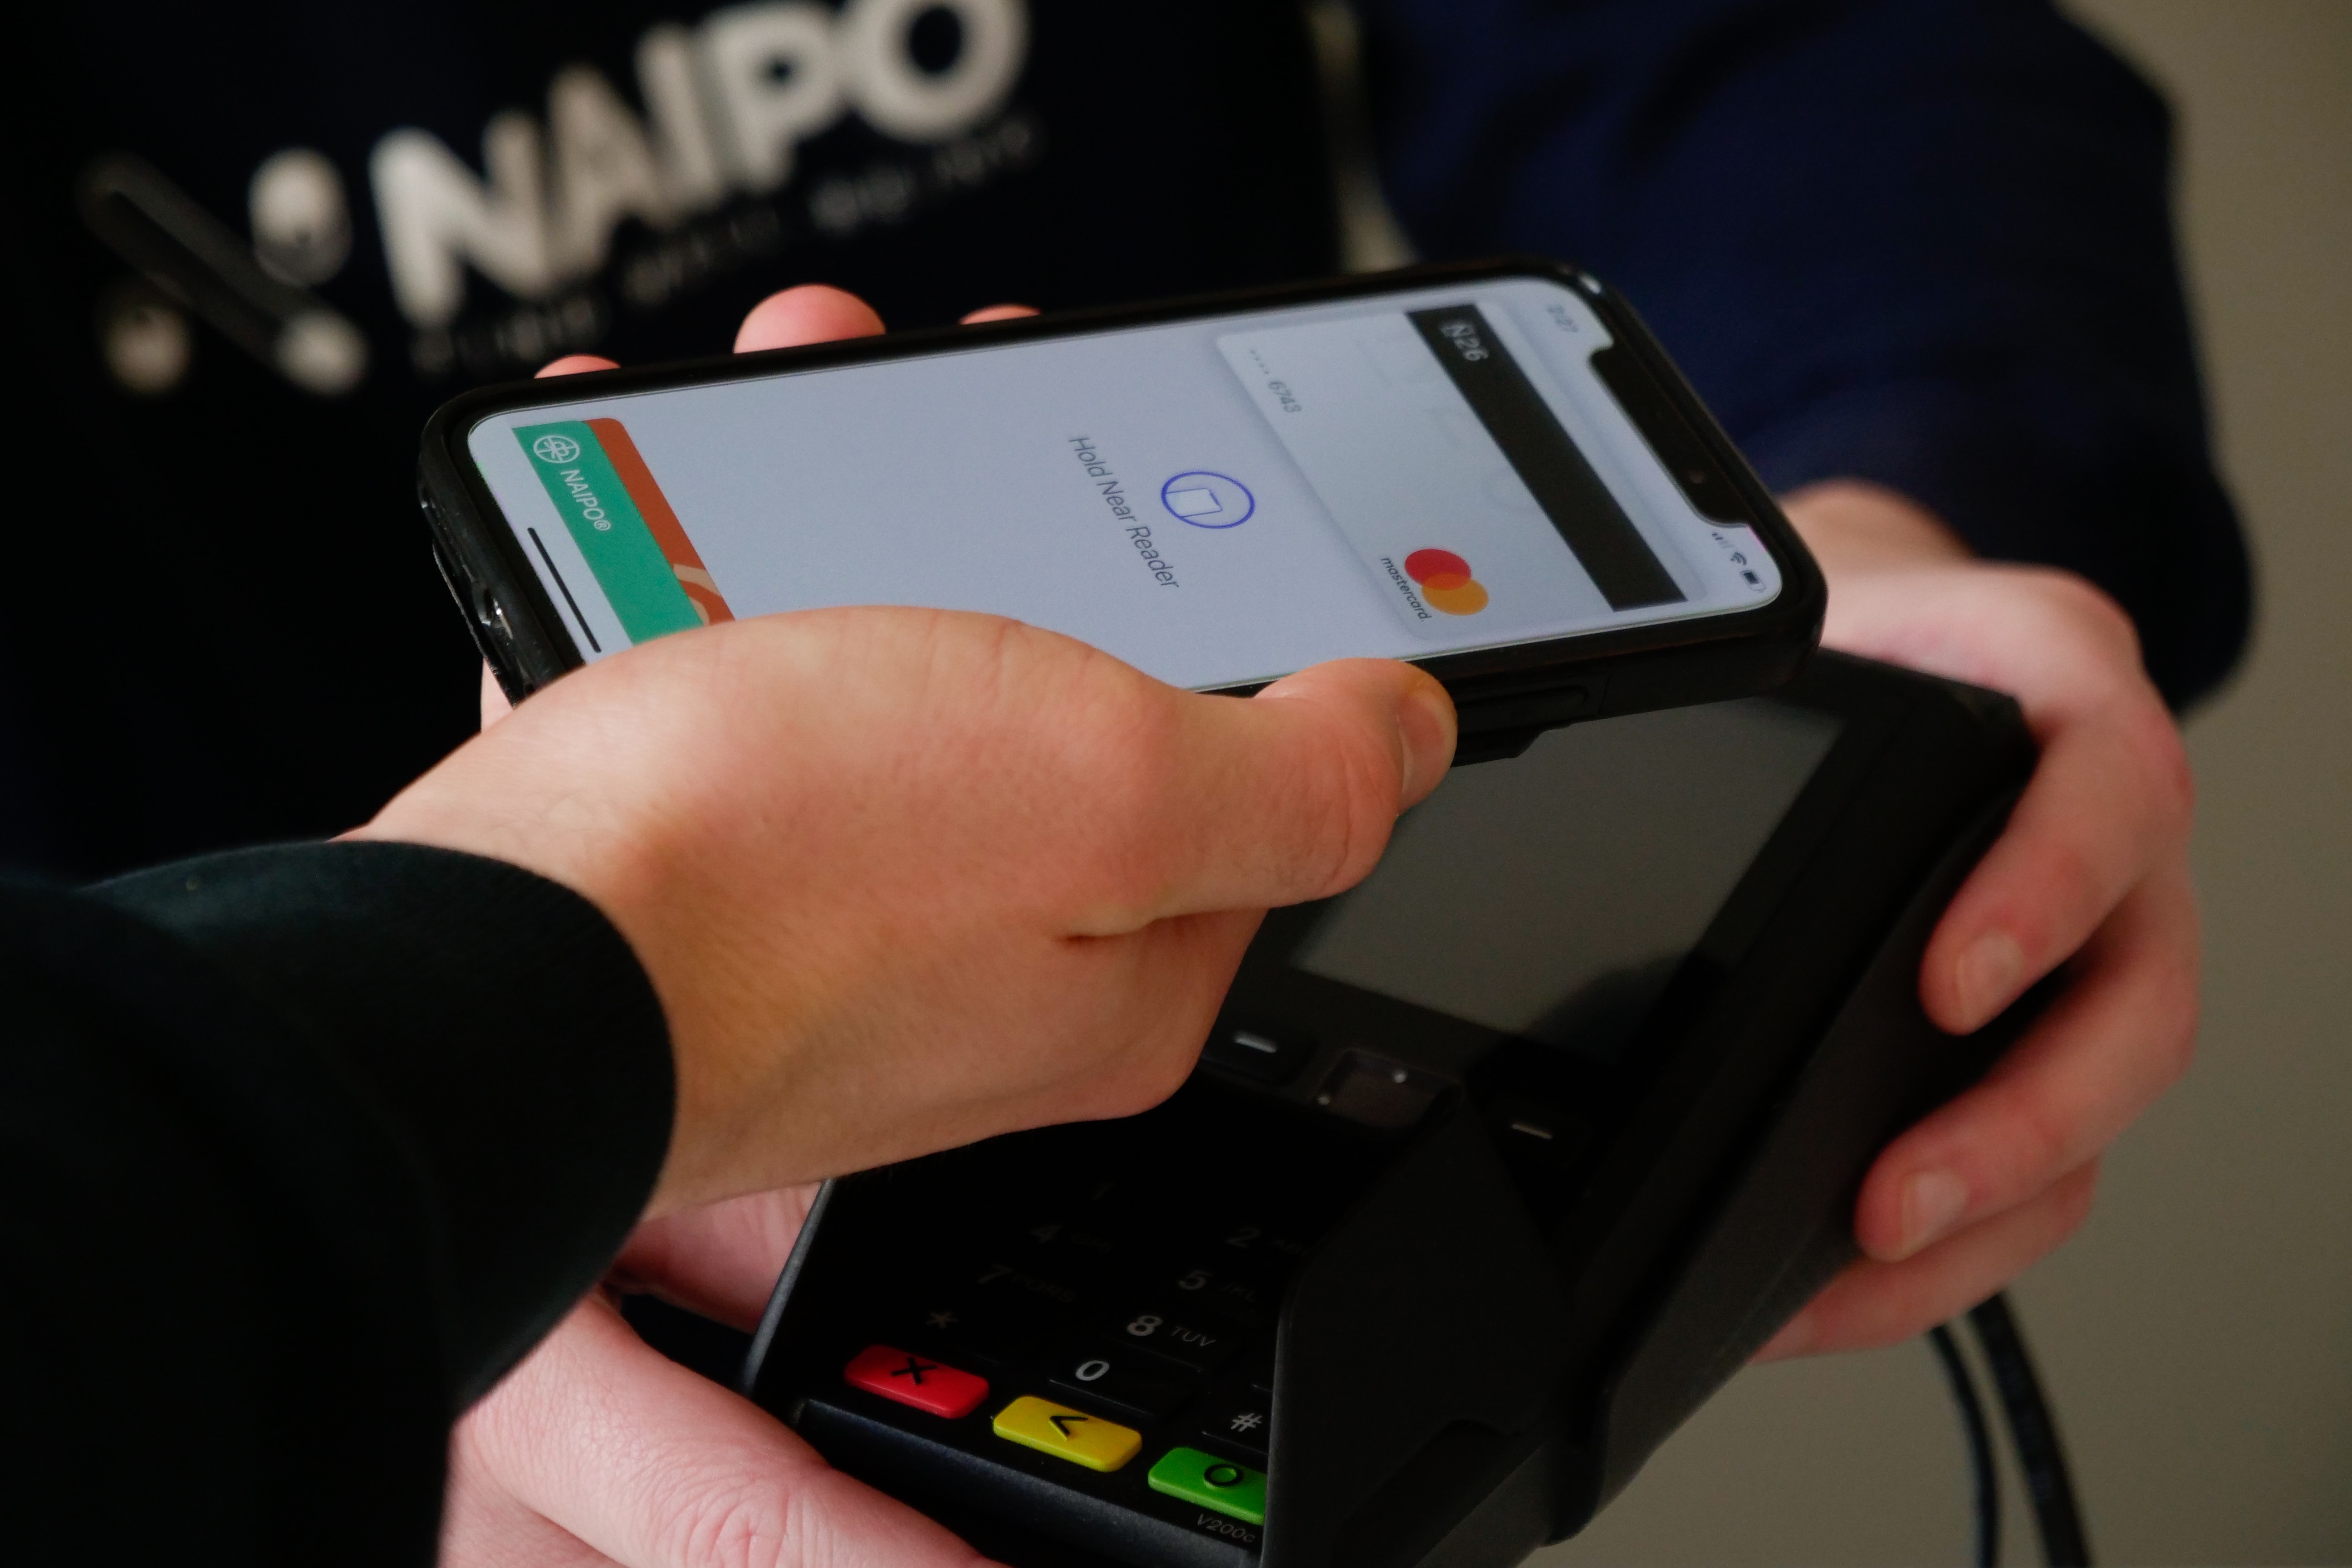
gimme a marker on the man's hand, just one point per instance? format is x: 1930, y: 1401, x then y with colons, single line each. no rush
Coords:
x: 2092, y: 874
x: 905, y: 879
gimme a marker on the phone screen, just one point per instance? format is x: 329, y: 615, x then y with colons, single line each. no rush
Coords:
x: 1218, y: 500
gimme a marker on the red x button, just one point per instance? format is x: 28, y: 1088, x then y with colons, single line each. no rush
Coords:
x: 915, y: 1381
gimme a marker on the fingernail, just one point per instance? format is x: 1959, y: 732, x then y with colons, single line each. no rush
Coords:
x: 1989, y: 975
x: 1425, y: 724
x: 1933, y: 1201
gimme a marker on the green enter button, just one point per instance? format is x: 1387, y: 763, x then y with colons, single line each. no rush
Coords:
x: 1211, y: 1482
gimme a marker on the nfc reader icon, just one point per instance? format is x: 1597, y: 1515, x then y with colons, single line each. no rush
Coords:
x: 1208, y: 500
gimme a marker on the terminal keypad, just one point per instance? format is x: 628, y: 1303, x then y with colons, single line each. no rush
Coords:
x: 1118, y: 1306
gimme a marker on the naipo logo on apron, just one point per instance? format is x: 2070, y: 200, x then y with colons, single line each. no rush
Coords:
x: 726, y: 104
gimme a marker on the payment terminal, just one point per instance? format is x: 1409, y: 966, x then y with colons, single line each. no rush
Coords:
x: 1495, y: 1168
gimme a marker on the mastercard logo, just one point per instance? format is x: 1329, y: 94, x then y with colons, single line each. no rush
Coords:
x: 1446, y: 581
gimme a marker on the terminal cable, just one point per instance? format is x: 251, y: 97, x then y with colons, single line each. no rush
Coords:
x: 1979, y: 1436
x: 2033, y: 1433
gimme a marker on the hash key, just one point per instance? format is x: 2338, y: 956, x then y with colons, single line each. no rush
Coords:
x: 1240, y: 1420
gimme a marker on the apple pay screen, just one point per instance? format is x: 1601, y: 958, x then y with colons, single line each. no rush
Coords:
x: 1217, y: 501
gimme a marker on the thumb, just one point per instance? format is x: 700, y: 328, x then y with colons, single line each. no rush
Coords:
x: 1291, y: 795
x: 1371, y: 691
x: 643, y: 1461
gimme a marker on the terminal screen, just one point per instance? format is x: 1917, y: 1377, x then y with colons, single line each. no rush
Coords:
x: 1552, y: 895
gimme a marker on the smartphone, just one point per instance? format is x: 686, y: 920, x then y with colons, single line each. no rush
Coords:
x: 1492, y: 470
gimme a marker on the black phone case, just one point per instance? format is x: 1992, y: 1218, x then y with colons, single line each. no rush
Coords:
x: 1506, y: 696
x: 1524, y: 1291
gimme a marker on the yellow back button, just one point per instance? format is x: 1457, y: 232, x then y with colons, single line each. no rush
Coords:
x: 1067, y: 1434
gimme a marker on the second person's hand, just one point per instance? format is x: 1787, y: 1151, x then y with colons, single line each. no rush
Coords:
x: 597, y: 1451
x: 2090, y: 875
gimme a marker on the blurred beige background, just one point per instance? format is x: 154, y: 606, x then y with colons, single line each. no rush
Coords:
x: 2197, y: 1335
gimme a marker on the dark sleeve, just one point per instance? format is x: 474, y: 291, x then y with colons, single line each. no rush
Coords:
x: 303, y: 1147
x: 1921, y: 242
